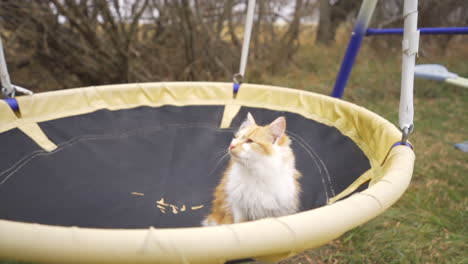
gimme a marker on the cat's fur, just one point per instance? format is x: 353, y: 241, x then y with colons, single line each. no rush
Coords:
x: 261, y: 179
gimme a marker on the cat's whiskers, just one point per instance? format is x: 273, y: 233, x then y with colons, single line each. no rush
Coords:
x: 221, y: 152
x: 218, y: 162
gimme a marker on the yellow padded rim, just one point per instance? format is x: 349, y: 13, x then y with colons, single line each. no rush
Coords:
x: 268, y: 239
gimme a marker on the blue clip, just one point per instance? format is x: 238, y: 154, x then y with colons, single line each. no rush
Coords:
x: 13, y: 103
x: 236, y: 87
x: 400, y: 143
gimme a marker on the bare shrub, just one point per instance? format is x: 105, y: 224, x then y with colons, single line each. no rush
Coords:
x: 93, y: 42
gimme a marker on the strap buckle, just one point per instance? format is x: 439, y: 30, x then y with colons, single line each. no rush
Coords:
x: 238, y: 79
x: 406, y: 131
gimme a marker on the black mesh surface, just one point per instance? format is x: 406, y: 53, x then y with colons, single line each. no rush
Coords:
x: 111, y: 167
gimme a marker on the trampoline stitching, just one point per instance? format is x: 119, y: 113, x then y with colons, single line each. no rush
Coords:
x: 321, y: 162
x: 21, y: 165
x: 23, y: 161
x: 149, y: 237
x: 316, y: 164
x: 316, y: 158
x: 179, y: 251
x: 373, y: 197
x: 236, y: 236
x: 291, y: 231
x: 385, y: 180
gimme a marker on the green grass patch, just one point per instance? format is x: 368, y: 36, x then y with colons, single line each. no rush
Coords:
x: 428, y: 224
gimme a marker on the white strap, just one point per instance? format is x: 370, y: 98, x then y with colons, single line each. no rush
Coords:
x: 247, y: 33
x: 410, y: 49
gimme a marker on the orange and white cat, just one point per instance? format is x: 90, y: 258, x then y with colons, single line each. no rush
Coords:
x: 261, y: 179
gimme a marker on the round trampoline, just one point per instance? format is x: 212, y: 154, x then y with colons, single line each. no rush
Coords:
x: 125, y: 173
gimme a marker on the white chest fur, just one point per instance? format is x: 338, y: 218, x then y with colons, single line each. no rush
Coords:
x: 266, y: 188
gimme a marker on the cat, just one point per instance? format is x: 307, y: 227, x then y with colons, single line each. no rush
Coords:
x: 260, y: 180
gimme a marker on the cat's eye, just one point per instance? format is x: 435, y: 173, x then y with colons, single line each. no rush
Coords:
x: 248, y: 141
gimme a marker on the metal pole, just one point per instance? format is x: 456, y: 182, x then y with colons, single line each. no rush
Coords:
x: 422, y: 31
x: 247, y: 34
x: 360, y: 28
x: 410, y: 49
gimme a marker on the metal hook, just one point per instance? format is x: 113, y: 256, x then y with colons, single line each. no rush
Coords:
x: 405, y: 133
x: 7, y: 94
x: 238, y: 78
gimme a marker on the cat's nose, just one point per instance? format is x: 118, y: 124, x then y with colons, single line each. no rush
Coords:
x: 232, y: 146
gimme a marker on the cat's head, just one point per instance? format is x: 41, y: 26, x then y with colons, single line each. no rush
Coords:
x: 253, y: 142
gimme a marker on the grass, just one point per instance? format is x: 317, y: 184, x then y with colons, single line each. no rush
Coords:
x: 429, y: 223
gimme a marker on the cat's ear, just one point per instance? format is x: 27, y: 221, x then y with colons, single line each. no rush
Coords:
x: 277, y: 128
x: 249, y: 121
x: 250, y: 118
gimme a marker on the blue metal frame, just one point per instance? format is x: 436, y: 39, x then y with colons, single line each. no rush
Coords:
x: 348, y: 61
x: 13, y: 103
x: 422, y: 31
x: 362, y: 22
x: 361, y: 30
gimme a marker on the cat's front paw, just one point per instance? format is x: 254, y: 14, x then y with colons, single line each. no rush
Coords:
x: 209, y: 222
